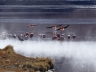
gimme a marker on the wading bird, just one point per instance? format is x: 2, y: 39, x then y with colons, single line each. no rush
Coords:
x: 54, y: 26
x: 73, y: 36
x: 63, y: 28
x: 31, y: 34
x: 14, y: 35
x: 21, y: 37
x: 31, y: 25
x: 42, y: 35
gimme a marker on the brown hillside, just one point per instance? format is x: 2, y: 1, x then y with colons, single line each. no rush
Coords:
x: 10, y: 61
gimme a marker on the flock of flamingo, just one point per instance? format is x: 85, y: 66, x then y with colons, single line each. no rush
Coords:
x: 30, y: 35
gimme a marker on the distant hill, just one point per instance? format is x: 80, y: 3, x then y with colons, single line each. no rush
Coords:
x: 47, y: 2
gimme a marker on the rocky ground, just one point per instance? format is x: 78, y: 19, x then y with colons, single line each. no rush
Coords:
x: 12, y: 62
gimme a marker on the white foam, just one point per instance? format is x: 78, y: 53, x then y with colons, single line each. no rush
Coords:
x: 54, y: 49
x: 82, y: 53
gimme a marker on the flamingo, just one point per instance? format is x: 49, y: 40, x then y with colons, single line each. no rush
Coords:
x: 63, y: 28
x: 31, y: 25
x: 54, y: 26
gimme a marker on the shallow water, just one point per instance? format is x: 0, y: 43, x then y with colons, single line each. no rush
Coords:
x: 72, y: 56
